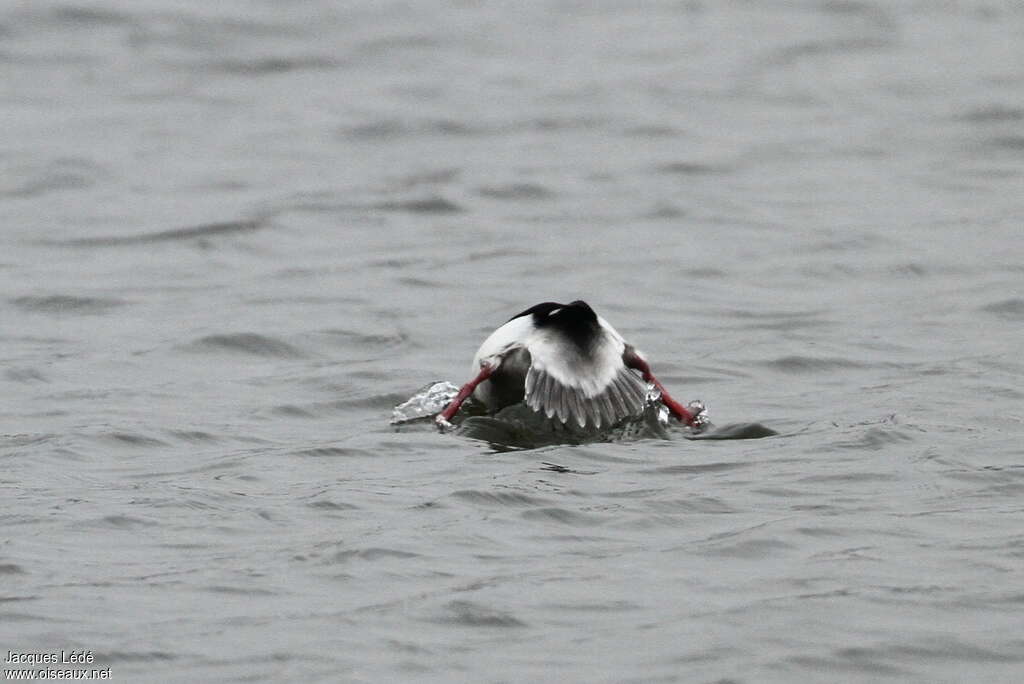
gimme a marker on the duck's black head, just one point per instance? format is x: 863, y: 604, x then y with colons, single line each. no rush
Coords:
x: 576, y: 320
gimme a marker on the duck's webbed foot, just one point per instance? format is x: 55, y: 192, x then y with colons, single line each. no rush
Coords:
x: 444, y: 418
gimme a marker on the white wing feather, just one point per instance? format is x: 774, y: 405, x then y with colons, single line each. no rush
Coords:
x: 594, y: 388
x: 562, y: 381
x: 514, y: 334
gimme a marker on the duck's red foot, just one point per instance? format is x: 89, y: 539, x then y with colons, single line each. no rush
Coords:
x: 444, y: 418
x: 633, y: 360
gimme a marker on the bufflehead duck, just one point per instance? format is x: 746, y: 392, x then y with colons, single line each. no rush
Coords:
x: 565, y: 361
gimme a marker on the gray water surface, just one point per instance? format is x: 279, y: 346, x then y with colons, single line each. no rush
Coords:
x: 235, y: 234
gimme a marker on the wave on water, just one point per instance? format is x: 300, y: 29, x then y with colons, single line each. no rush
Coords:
x: 247, y: 343
x: 472, y: 614
x: 205, y: 230
x: 424, y: 205
x: 266, y: 65
x: 1012, y: 308
x: 63, y: 173
x: 811, y: 364
x: 516, y: 192
x: 63, y: 304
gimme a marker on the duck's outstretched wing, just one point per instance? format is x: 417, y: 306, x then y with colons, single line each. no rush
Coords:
x: 621, y: 398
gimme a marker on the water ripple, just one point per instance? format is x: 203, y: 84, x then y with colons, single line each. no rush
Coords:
x: 202, y: 231
x: 698, y: 468
x: 498, y: 498
x: 260, y: 66
x: 992, y: 114
x: 328, y: 505
x: 471, y: 614
x: 247, y: 343
x: 67, y: 304
x: 372, y: 554
x: 423, y: 205
x: 873, y: 439
x: 25, y: 375
x: 748, y: 548
x: 564, y: 516
x: 795, y: 364
x: 1012, y: 309
x: 132, y: 656
x: 691, y: 168
x: 334, y: 452
x: 516, y: 192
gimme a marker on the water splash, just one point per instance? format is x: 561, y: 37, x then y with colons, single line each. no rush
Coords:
x: 426, y: 403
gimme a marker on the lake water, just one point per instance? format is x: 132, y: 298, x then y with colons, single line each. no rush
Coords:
x: 235, y: 234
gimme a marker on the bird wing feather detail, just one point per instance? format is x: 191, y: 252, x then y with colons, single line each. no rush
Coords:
x: 620, y: 398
